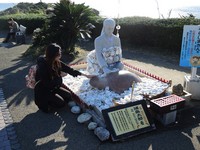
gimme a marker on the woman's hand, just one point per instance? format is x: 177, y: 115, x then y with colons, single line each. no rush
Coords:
x: 88, y: 76
x: 63, y: 74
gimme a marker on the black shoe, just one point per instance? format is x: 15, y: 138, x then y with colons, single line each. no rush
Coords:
x: 5, y: 42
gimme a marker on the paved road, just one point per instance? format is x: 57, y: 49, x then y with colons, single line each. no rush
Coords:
x: 36, y: 130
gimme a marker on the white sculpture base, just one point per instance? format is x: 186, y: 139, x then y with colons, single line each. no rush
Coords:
x: 192, y: 86
x: 167, y: 118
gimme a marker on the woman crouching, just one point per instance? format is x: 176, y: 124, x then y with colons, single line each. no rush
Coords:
x: 48, y: 90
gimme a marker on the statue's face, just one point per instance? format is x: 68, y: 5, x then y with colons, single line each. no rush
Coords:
x: 109, y: 28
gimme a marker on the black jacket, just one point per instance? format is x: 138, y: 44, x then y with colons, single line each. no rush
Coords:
x: 48, y: 82
x: 47, y: 76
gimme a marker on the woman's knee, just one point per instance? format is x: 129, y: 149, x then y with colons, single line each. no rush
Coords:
x: 57, y: 103
x: 65, y: 94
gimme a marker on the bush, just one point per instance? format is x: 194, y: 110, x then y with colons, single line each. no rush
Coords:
x: 135, y: 31
x: 147, y: 32
x: 67, y: 23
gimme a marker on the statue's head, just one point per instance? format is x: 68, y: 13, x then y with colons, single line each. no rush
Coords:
x: 108, y: 26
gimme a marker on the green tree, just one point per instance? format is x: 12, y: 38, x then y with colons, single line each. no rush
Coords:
x: 66, y: 24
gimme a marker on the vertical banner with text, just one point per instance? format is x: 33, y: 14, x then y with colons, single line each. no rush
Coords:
x: 190, y: 48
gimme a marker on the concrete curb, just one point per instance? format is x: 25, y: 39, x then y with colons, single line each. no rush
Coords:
x: 8, y: 137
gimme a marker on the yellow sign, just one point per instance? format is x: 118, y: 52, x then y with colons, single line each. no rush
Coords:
x: 128, y: 119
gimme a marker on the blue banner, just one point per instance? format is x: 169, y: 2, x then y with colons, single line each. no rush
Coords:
x: 190, y: 48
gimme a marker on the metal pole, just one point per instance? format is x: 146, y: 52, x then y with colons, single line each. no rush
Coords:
x: 193, y: 72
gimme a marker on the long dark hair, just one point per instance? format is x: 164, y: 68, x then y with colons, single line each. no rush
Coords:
x: 52, y: 51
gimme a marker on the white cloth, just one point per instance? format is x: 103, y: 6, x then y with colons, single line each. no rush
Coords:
x: 111, y: 56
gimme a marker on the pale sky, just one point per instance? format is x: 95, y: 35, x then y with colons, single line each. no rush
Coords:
x: 122, y: 8
x: 113, y: 8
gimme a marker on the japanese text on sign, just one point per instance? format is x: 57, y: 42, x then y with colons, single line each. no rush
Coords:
x: 128, y: 119
x: 190, y: 49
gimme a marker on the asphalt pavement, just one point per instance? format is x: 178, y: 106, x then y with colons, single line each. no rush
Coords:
x: 34, y: 130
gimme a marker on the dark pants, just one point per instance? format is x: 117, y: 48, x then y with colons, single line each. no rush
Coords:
x: 46, y: 100
x: 9, y: 35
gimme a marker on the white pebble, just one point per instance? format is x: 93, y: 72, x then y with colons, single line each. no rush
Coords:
x: 84, y: 117
x: 102, y: 133
x: 92, y: 125
x: 76, y: 109
x: 71, y: 104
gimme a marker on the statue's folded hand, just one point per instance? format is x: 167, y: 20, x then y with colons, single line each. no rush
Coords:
x: 106, y: 70
x: 114, y: 70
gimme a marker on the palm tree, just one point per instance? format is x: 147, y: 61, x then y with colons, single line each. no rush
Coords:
x: 66, y: 24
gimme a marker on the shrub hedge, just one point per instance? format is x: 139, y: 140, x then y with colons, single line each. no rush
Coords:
x: 136, y: 31
x: 165, y: 34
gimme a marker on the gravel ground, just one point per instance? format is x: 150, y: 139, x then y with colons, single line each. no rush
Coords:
x: 36, y: 130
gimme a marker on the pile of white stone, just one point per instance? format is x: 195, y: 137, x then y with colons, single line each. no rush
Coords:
x: 103, y: 99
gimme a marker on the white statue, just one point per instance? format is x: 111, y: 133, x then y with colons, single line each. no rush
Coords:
x: 107, y: 55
